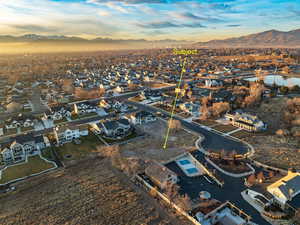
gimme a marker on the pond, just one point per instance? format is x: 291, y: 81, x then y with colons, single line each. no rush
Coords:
x: 279, y: 80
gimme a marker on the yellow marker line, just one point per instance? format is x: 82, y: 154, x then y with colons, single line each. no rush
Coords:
x: 174, y: 105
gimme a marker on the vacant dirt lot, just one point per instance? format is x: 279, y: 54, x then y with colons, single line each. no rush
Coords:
x: 281, y: 152
x: 89, y: 193
x: 151, y: 147
x: 271, y: 112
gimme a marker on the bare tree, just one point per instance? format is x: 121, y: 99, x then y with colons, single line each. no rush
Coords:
x: 172, y: 191
x: 184, y: 202
x: 219, y: 108
x: 260, y: 177
x: 175, y: 124
x: 251, y: 180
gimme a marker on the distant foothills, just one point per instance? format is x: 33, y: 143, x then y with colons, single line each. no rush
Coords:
x: 270, y: 38
x: 42, y: 43
x: 41, y: 38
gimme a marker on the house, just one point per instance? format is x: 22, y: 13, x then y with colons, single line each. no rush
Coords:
x: 160, y: 174
x: 19, y: 121
x: 84, y: 108
x: 246, y: 121
x: 213, y: 83
x: 286, y: 188
x: 142, y: 117
x: 18, y: 148
x: 116, y: 128
x: 64, y: 134
x: 225, y: 214
x: 58, y: 113
x: 190, y: 108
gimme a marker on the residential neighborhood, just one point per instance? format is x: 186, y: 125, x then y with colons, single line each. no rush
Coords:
x: 197, y: 139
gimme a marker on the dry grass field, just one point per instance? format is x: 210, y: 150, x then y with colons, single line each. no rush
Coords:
x: 276, y: 150
x: 89, y: 193
x: 151, y: 147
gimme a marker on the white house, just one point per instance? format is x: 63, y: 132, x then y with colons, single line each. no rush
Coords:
x: 66, y: 134
x: 142, y: 117
x: 116, y: 128
x: 213, y: 83
x: 246, y: 121
x: 190, y: 108
x: 18, y: 148
x: 286, y: 188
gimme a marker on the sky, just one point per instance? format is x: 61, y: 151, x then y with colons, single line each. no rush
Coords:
x: 195, y: 20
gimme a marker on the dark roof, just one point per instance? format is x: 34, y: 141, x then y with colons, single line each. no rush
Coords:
x: 143, y: 114
x: 124, y: 121
x: 110, y: 125
x: 24, y: 138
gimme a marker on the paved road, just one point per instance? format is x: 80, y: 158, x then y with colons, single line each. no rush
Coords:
x: 229, y: 192
x: 213, y: 140
x: 37, y: 105
x: 192, y: 186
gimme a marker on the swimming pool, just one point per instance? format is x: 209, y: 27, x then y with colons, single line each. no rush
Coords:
x: 184, y: 162
x: 192, y: 170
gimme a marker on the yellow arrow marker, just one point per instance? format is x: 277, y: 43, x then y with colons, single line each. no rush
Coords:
x: 174, y: 105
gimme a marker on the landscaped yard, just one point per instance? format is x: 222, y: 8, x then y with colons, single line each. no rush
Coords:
x: 72, y: 151
x: 133, y: 134
x: 10, y: 131
x: 34, y: 165
x: 78, y: 117
x: 242, y: 134
x: 206, y: 122
x: 225, y: 128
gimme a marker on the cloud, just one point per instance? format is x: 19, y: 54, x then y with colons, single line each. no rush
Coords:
x: 116, y: 7
x: 167, y: 24
x: 234, y: 25
x: 34, y: 28
x: 295, y: 12
x: 158, y: 25
x: 103, y: 12
x: 191, y: 16
x: 187, y: 15
x: 128, y: 1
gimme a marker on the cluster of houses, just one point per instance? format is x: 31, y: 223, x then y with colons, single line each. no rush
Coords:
x: 16, y: 149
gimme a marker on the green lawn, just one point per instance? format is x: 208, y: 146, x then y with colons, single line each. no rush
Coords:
x: 10, y: 131
x: 78, y: 151
x: 34, y: 165
x: 47, y: 154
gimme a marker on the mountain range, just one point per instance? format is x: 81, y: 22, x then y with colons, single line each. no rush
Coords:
x: 61, y: 38
x: 270, y: 38
x: 52, y: 43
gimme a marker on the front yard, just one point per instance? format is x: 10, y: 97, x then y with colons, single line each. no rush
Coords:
x: 72, y: 151
x: 225, y: 128
x: 132, y: 135
x: 34, y: 165
x: 82, y: 116
x: 208, y: 122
